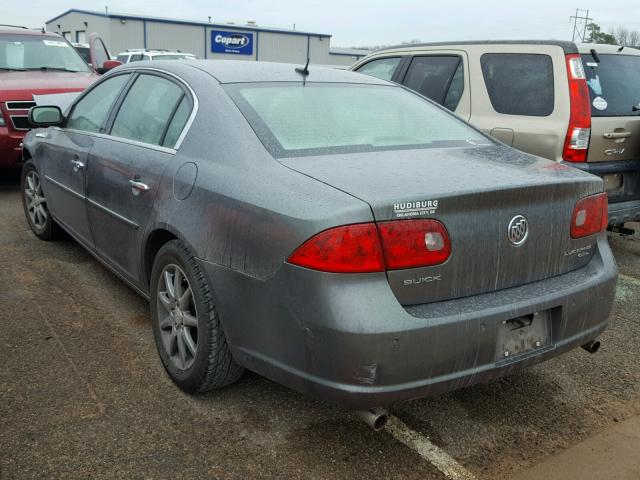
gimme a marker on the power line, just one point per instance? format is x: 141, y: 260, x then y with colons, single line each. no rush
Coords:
x: 580, y: 23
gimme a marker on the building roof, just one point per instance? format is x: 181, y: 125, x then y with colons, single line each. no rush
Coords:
x: 233, y: 26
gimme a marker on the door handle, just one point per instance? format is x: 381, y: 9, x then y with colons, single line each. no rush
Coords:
x: 77, y: 165
x: 616, y: 134
x: 137, y: 187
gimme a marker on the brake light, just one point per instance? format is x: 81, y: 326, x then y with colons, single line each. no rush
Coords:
x: 414, y: 243
x: 367, y: 247
x: 347, y: 249
x: 576, y: 144
x: 590, y: 216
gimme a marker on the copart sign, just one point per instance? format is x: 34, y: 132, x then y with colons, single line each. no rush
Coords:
x: 237, y: 43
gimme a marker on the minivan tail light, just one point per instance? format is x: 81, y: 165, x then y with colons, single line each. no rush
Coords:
x: 576, y: 143
x: 371, y: 247
x: 347, y: 249
x: 414, y: 243
x: 590, y: 216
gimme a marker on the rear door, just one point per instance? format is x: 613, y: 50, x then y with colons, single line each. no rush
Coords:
x: 126, y: 167
x: 441, y: 76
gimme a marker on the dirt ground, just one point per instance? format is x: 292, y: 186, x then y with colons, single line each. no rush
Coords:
x: 83, y: 394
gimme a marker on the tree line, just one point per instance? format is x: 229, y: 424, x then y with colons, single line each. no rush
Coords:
x: 616, y: 36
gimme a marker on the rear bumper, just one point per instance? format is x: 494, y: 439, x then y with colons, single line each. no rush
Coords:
x: 10, y: 149
x: 624, y: 204
x: 346, y: 339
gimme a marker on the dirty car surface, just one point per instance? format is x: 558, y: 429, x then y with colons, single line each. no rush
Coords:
x: 330, y: 231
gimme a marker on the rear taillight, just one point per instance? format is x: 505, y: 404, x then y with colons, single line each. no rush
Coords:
x: 367, y: 247
x: 576, y: 144
x: 590, y: 216
x: 414, y: 243
x: 347, y: 249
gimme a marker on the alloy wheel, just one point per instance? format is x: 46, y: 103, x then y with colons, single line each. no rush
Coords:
x: 35, y: 200
x: 177, y: 316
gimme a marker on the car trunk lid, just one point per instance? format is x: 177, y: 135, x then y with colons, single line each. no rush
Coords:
x: 476, y: 193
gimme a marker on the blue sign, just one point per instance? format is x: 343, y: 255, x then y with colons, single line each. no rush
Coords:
x: 231, y: 42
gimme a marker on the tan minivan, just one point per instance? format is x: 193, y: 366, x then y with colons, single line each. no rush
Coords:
x: 562, y: 101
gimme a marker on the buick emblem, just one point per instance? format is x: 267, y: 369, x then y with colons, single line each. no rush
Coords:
x: 518, y: 230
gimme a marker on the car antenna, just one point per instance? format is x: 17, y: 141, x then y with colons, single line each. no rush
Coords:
x: 303, y: 71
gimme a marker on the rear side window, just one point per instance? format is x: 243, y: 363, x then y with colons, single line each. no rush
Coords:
x: 614, y: 84
x: 438, y: 77
x: 147, y: 109
x: 177, y: 123
x: 91, y: 111
x: 383, y: 68
x: 519, y: 84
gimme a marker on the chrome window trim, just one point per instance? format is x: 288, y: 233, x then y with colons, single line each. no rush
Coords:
x: 181, y: 137
x: 150, y: 146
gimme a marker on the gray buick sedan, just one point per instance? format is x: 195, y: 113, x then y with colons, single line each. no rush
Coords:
x: 334, y: 232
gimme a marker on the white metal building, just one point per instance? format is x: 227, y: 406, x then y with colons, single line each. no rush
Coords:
x: 203, y: 39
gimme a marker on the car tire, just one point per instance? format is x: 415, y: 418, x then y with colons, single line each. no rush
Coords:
x: 178, y: 320
x: 35, y: 206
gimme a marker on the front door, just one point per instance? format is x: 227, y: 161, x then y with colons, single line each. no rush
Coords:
x: 65, y: 155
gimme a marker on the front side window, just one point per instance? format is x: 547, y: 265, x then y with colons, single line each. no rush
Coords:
x: 519, y: 84
x: 147, y: 110
x: 438, y: 77
x: 383, y: 68
x: 90, y: 113
x: 22, y: 52
x: 614, y: 84
x: 293, y: 119
x: 122, y: 58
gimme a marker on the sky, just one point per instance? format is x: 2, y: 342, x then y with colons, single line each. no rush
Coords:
x: 356, y: 23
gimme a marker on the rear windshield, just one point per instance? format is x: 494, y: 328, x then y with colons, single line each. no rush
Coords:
x: 292, y: 119
x: 614, y: 84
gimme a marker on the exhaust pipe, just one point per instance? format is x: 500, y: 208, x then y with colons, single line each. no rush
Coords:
x: 376, y: 417
x: 592, y: 347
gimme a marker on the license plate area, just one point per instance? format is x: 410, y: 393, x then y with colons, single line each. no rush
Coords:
x: 523, y: 335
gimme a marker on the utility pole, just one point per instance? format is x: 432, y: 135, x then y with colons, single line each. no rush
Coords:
x: 578, y: 25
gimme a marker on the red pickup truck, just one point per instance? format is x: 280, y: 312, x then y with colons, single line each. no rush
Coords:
x: 34, y: 62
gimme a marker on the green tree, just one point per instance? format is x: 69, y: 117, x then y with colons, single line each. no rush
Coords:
x: 596, y: 35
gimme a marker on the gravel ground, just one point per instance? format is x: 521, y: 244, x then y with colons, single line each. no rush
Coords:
x: 83, y: 395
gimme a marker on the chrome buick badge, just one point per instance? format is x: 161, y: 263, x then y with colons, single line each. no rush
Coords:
x: 518, y: 230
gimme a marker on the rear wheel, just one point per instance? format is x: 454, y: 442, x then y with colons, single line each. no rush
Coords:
x: 186, y: 327
x: 35, y: 205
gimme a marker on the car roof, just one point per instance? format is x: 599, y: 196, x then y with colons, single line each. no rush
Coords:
x: 568, y: 47
x: 608, y: 49
x: 239, y: 71
x: 11, y: 30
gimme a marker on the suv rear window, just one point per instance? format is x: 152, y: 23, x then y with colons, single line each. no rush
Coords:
x: 614, y: 84
x: 297, y: 119
x: 519, y: 83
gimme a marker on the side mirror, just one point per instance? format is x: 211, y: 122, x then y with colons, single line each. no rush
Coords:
x: 108, y: 65
x: 45, y: 116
